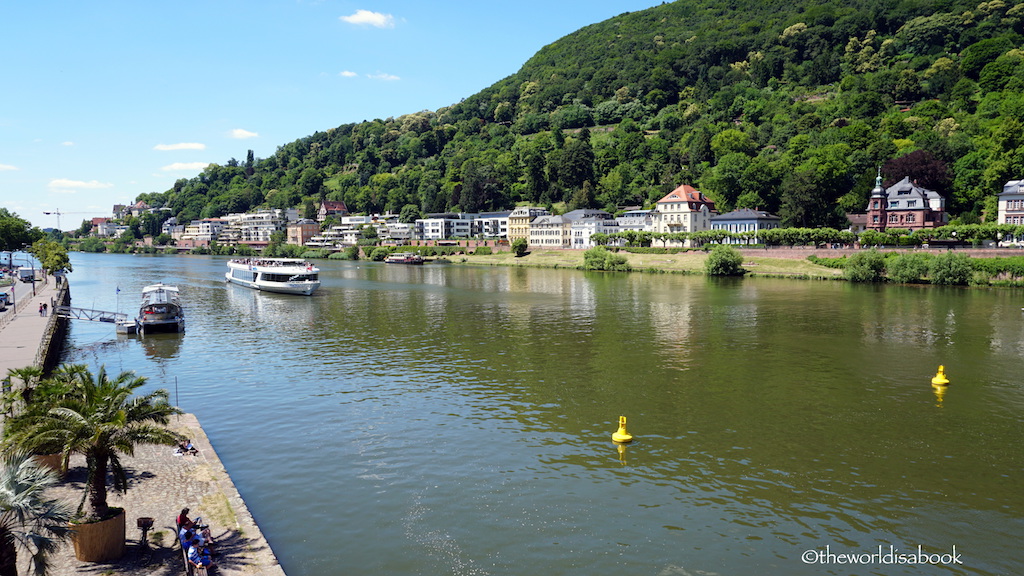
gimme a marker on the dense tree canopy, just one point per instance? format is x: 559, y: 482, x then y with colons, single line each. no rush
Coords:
x: 16, y: 233
x: 787, y: 106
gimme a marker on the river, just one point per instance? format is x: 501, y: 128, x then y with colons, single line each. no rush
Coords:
x: 423, y: 420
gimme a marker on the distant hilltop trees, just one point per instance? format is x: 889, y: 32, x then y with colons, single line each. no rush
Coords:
x: 788, y: 108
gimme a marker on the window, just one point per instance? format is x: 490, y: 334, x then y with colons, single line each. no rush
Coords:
x: 911, y: 217
x: 911, y: 203
x: 894, y: 204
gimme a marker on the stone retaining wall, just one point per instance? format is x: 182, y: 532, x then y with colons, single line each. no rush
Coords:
x: 52, y: 342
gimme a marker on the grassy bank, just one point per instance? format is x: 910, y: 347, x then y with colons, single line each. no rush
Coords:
x: 681, y: 263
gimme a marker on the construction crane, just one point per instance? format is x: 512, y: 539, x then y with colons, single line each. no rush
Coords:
x: 58, y: 214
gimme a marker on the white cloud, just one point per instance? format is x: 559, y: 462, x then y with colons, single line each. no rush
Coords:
x: 242, y: 134
x: 189, y: 166
x: 347, y: 74
x: 65, y: 184
x: 181, y: 146
x: 367, y: 18
x: 383, y: 76
x: 7, y: 167
x: 67, y: 143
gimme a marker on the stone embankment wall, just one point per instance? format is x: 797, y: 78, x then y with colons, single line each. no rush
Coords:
x: 52, y: 342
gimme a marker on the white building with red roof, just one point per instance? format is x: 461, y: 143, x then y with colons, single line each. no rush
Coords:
x: 684, y: 209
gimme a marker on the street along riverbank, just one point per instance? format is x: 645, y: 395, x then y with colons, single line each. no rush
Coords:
x: 27, y: 337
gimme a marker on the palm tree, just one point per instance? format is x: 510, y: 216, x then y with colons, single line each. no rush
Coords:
x: 28, y: 378
x: 101, y: 419
x: 27, y: 519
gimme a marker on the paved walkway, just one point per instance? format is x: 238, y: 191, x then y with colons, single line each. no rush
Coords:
x: 160, y: 485
x: 21, y: 326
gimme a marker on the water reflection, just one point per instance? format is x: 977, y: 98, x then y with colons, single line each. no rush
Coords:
x: 449, y: 419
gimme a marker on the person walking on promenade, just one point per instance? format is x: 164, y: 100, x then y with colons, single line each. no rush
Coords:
x: 46, y: 308
x: 40, y: 308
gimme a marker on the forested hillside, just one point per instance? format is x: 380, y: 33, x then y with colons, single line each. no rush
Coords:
x: 785, y: 106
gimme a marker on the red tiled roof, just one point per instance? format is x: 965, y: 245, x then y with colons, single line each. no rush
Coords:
x: 334, y: 206
x: 687, y: 193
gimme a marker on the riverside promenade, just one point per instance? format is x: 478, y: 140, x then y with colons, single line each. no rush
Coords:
x: 160, y: 482
x: 21, y: 326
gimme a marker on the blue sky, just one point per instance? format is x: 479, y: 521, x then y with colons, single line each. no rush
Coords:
x: 105, y: 100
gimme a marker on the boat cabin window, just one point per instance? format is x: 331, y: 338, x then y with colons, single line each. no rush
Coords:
x: 267, y: 277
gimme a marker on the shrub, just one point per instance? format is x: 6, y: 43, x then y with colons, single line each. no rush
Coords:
x: 600, y: 258
x: 379, y: 254
x: 865, y: 266
x: 519, y: 246
x: 348, y: 253
x: 837, y: 263
x: 952, y: 268
x: 907, y: 268
x: 483, y: 251
x: 724, y: 261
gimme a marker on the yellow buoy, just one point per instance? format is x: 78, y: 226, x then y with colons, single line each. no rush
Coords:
x: 940, y: 377
x: 621, y: 435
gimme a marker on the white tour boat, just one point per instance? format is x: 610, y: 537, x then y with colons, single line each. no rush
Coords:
x: 161, y: 310
x: 284, y: 275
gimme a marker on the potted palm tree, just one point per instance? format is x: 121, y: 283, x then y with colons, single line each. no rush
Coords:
x: 27, y: 395
x: 101, y: 419
x: 28, y: 520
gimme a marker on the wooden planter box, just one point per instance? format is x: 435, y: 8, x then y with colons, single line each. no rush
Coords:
x: 51, y: 461
x: 100, y: 541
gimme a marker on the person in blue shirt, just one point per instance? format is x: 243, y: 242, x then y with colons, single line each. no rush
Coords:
x: 198, y: 555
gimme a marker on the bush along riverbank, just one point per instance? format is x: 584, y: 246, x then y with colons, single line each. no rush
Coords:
x: 951, y: 268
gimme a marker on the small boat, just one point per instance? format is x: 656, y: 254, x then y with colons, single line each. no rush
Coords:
x: 161, y: 310
x: 282, y: 275
x: 403, y: 258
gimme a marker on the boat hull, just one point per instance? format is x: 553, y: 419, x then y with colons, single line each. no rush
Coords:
x: 161, y: 310
x: 298, y: 288
x: 286, y: 277
x: 404, y: 258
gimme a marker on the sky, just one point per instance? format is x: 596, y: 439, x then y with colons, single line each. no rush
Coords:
x: 104, y: 100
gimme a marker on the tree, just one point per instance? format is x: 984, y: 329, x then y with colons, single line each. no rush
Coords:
x: 99, y: 418
x: 865, y: 266
x: 923, y: 168
x: 951, y: 268
x: 519, y: 247
x: 15, y: 232
x: 92, y: 244
x: 29, y: 520
x: 52, y: 256
x: 724, y: 261
x: 907, y: 268
x: 600, y: 258
x: 409, y: 214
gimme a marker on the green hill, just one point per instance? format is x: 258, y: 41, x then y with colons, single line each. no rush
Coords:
x: 784, y: 106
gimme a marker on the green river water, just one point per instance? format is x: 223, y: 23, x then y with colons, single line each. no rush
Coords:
x: 457, y: 420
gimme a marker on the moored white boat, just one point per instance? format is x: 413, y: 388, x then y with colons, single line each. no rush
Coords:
x: 403, y: 258
x: 282, y: 275
x: 161, y: 310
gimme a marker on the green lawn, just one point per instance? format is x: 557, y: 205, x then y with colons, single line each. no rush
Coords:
x: 685, y: 262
